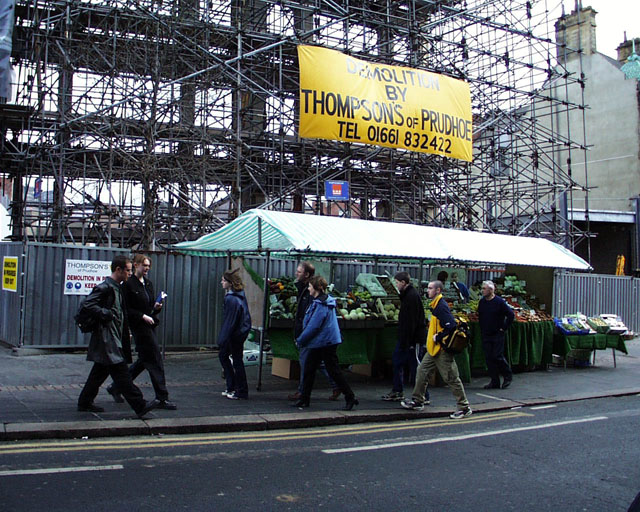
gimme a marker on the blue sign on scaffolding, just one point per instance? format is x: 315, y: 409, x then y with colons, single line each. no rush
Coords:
x: 336, y: 190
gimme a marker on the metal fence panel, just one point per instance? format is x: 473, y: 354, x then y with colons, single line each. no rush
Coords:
x: 190, y: 318
x: 11, y: 302
x: 594, y: 294
x: 48, y: 312
x: 193, y: 311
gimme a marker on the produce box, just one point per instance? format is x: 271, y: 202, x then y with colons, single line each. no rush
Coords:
x: 371, y: 283
x: 615, y: 323
x: 598, y: 325
x: 567, y: 328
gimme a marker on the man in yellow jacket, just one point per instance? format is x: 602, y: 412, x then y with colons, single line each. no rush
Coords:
x: 441, y: 324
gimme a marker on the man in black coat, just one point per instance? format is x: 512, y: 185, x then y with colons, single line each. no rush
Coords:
x: 412, y: 331
x: 109, y: 347
x: 495, y: 317
x: 142, y: 311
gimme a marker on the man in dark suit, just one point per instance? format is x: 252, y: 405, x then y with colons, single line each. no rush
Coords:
x: 142, y: 311
x: 412, y: 331
x: 109, y: 347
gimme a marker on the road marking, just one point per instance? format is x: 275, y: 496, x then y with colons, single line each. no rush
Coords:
x: 47, y: 471
x: 249, y: 437
x: 538, y: 407
x: 461, y: 437
x: 493, y: 397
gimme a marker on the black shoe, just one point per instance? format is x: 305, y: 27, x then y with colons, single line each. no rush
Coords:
x: 350, y: 404
x: 295, y: 396
x: 150, y: 406
x: 117, y: 397
x: 166, y: 404
x: 491, y: 385
x: 506, y: 383
x: 300, y: 404
x: 90, y: 408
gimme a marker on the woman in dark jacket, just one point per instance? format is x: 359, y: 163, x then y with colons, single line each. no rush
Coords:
x: 142, y: 310
x: 321, y: 335
x: 236, y: 324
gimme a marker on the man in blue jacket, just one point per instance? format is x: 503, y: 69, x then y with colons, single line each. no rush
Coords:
x: 495, y: 318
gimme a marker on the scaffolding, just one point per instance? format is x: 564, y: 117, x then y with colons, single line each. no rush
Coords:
x: 141, y: 123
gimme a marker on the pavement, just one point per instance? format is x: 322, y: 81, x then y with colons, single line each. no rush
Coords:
x: 39, y: 392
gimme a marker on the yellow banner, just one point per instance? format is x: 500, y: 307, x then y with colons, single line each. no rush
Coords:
x: 348, y: 99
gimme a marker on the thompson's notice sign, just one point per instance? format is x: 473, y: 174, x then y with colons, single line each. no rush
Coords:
x: 81, y: 276
x: 348, y: 99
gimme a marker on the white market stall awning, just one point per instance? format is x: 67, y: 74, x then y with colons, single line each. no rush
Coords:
x: 297, y: 233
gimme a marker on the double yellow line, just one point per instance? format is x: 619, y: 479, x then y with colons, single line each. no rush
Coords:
x: 247, y: 437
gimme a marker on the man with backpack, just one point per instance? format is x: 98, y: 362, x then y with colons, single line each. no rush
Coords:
x: 442, y: 324
x: 110, y: 346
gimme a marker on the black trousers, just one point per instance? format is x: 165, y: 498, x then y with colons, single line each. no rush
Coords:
x: 330, y: 358
x: 120, y: 375
x: 150, y: 359
x: 497, y: 364
x: 234, y: 373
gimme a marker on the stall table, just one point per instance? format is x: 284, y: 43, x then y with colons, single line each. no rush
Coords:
x: 358, y: 347
x: 563, y: 343
x: 527, y: 344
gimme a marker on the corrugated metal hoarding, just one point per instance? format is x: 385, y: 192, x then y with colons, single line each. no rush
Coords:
x: 595, y: 294
x: 191, y: 316
x: 48, y: 312
x: 193, y: 310
x: 39, y: 314
x: 11, y: 301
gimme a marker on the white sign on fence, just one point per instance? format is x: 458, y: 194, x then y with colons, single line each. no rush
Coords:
x: 82, y: 275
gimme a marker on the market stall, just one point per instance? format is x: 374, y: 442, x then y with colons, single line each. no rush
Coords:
x: 578, y: 332
x: 300, y: 236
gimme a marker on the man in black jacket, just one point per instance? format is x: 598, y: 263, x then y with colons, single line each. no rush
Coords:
x: 412, y: 331
x: 109, y: 347
x: 142, y: 311
x: 495, y: 318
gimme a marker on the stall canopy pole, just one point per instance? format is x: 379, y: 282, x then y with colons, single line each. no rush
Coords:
x: 265, y: 318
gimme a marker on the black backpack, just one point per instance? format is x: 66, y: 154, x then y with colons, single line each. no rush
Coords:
x: 84, y: 319
x: 458, y: 339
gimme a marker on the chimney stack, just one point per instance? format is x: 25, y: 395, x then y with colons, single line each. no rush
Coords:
x: 576, y: 31
x: 625, y: 48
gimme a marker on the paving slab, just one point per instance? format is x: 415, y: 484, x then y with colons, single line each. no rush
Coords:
x: 39, y: 392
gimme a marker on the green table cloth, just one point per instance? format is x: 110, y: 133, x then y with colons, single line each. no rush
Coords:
x: 562, y: 343
x: 358, y: 346
x: 527, y: 344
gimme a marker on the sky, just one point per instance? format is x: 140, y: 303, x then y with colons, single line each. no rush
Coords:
x: 613, y: 18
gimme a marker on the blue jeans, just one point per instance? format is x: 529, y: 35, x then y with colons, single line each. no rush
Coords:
x: 403, y: 359
x: 302, y: 358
